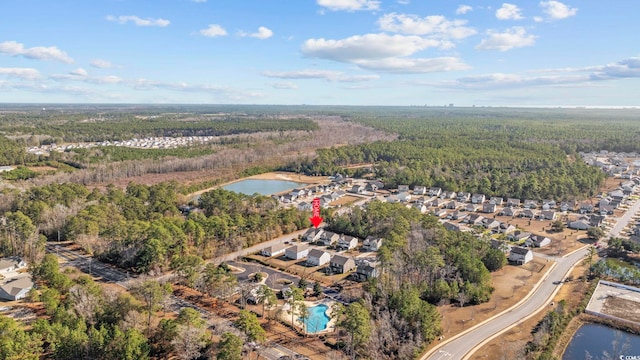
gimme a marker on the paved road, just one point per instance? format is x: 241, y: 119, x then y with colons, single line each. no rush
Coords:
x: 256, y: 248
x: 463, y: 346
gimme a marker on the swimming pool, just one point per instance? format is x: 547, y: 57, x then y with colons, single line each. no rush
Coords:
x: 317, y: 320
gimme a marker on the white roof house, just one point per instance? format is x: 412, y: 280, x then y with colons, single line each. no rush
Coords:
x: 274, y: 250
x: 297, y: 252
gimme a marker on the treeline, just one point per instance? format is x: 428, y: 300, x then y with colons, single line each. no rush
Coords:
x: 496, y: 156
x: 142, y: 228
x: 13, y: 152
x: 422, y: 265
x: 101, y: 130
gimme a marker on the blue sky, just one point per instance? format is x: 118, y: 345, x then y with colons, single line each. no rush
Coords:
x: 342, y: 52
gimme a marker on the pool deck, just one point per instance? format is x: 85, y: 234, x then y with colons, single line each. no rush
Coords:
x: 286, y: 316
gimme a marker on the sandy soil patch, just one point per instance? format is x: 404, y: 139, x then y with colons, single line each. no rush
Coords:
x: 511, y: 284
x: 347, y: 199
x: 622, y: 308
x: 510, y: 344
x: 42, y: 169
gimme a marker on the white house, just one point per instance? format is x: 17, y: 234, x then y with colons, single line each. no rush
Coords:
x: 313, y: 234
x: 305, y: 206
x: 538, y: 241
x: 297, y: 252
x: 16, y: 288
x: 419, y: 190
x: 318, y: 257
x: 274, y: 250
x: 10, y: 264
x: 347, y: 242
x: 371, y: 244
x: 520, y: 256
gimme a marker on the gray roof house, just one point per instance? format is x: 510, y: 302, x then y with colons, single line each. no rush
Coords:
x: 538, y: 241
x: 477, y: 198
x: 513, y: 202
x: 547, y: 215
x: 342, y: 264
x: 489, y: 208
x: 313, y: 234
x: 16, y: 288
x: 496, y: 200
x: 464, y: 196
x: 297, y: 252
x: 518, y: 235
x: 371, y: 244
x: 347, y: 242
x: 403, y: 188
x: 328, y: 238
x: 419, y: 190
x: 530, y: 204
x: 579, y: 224
x: 509, y: 211
x: 10, y: 264
x: 366, y: 270
x: 318, y: 257
x: 274, y: 250
x: 435, y: 191
x: 520, y: 256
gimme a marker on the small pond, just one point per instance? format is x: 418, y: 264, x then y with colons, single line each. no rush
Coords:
x: 262, y: 187
x: 596, y: 339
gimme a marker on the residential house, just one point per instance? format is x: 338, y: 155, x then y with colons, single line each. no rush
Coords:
x: 11, y: 264
x: 607, y: 210
x: 520, y: 256
x: 596, y: 220
x: 458, y: 215
x: 328, y: 238
x: 419, y: 190
x: 448, y: 195
x: 496, y: 200
x: 299, y: 193
x: 528, y: 213
x: 318, y: 257
x: 435, y: 191
x: 452, y: 205
x: 505, y: 228
x: 474, y: 219
x: 357, y: 189
x: 297, y: 252
x: 420, y: 207
x: 464, y: 196
x: 347, y: 242
x: 489, y: 208
x: 403, y: 196
x: 509, y: 211
x: 325, y: 200
x: 403, y: 188
x: 518, y: 235
x: 580, y: 224
x: 568, y: 205
x: 548, y: 204
x: 16, y: 288
x: 471, y: 207
x: 490, y: 223
x: 547, y: 215
x: 530, y: 204
x: 585, y: 208
x: 304, y: 206
x: 440, y: 203
x: 513, y: 202
x: 477, y: 198
x: 342, y: 264
x: 274, y: 250
x: 371, y: 244
x: 366, y: 270
x: 500, y: 245
x: 441, y: 213
x: 537, y: 241
x: 374, y: 186
x: 312, y: 234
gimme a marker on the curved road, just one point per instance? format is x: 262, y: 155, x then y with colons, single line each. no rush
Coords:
x: 463, y: 346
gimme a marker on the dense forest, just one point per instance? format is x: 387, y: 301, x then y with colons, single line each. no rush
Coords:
x: 482, y: 152
x: 422, y: 265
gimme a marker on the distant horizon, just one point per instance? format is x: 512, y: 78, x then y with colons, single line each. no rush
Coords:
x: 543, y: 53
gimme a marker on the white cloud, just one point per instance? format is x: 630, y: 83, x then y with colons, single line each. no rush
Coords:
x: 369, y: 46
x: 213, y: 30
x: 538, y: 19
x: 463, y: 9
x: 21, y: 73
x: 350, y: 5
x: 414, y: 66
x: 435, y: 25
x: 509, y: 12
x: 79, y: 72
x: 329, y: 75
x: 557, y: 10
x: 515, y: 37
x: 13, y: 48
x: 138, y: 21
x: 101, y: 64
x: 404, y: 2
x: 199, y: 1
x: 262, y: 33
x: 284, y: 86
x: 624, y: 69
